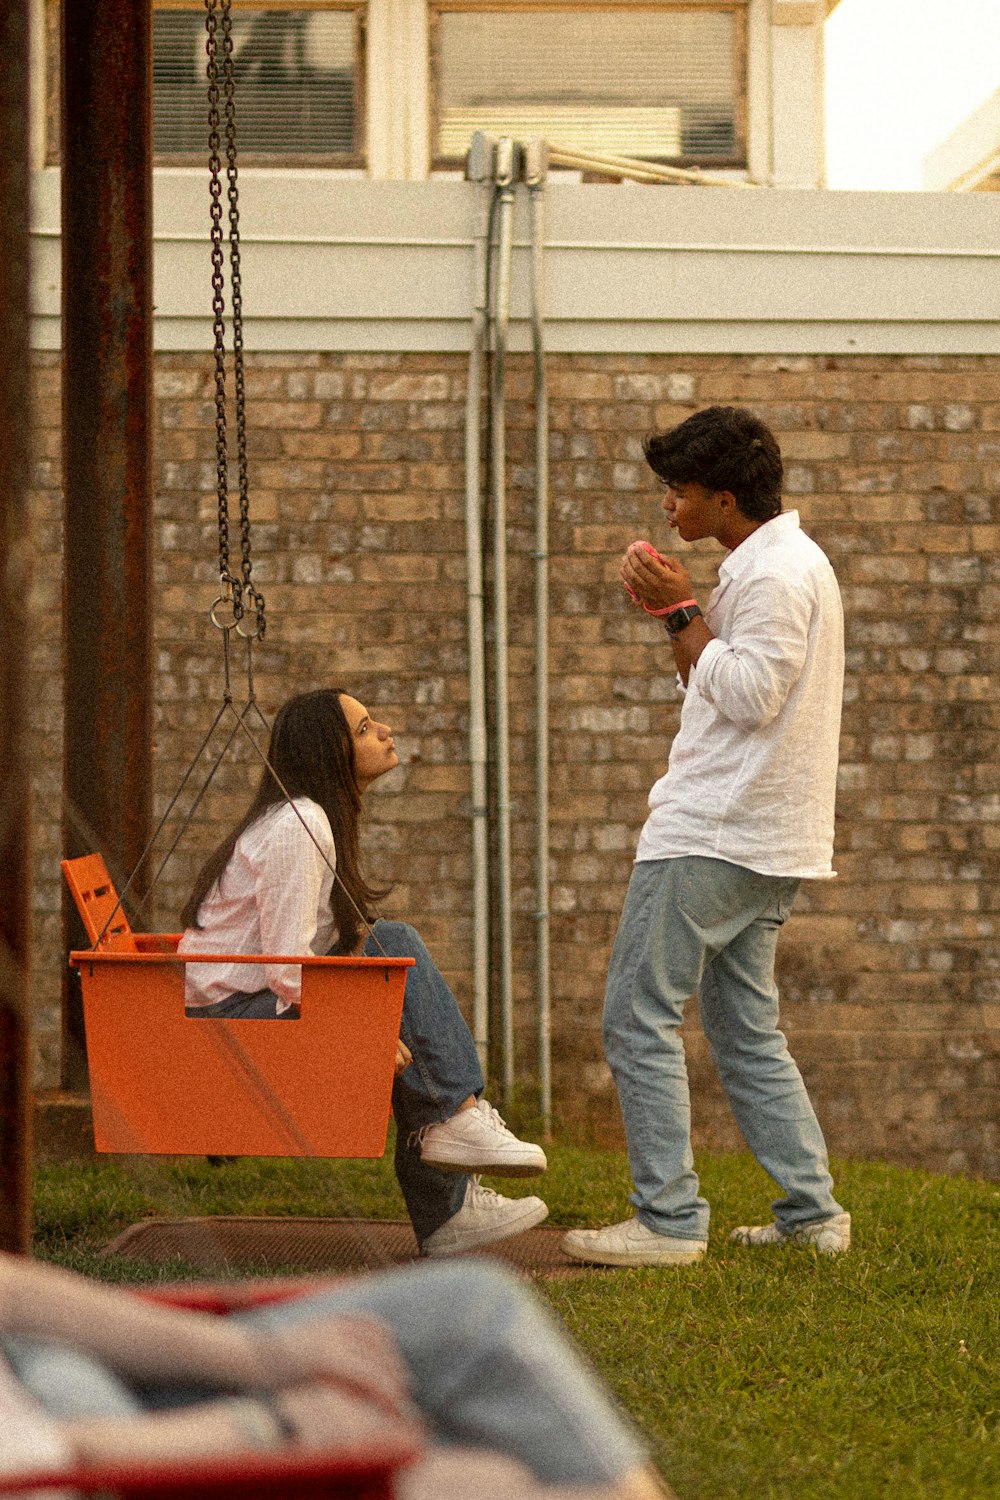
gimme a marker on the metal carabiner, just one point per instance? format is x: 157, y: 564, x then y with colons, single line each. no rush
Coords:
x: 253, y: 611
x: 213, y: 614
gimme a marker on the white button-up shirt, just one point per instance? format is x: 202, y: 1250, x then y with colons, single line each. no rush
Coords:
x: 273, y: 897
x: 753, y: 768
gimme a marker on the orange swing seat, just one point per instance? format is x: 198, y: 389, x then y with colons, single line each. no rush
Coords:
x: 164, y: 1083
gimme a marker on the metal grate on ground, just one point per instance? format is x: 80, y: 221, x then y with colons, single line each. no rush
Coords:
x: 329, y: 1246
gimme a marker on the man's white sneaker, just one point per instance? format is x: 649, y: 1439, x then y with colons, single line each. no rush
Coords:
x: 484, y: 1218
x: 830, y: 1236
x: 477, y: 1140
x: 631, y: 1244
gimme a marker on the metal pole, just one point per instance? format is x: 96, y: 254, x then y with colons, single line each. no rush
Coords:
x: 498, y: 465
x: 15, y: 836
x: 535, y: 168
x: 479, y: 169
x: 107, y: 441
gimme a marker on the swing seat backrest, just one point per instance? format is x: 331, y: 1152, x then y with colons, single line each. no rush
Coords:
x: 97, y: 901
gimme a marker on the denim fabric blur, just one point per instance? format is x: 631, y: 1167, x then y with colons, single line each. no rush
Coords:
x: 489, y: 1366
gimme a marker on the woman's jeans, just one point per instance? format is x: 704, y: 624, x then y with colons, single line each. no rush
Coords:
x: 445, y: 1071
x: 689, y: 924
x: 489, y: 1367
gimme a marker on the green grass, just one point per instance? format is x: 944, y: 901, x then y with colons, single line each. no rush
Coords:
x: 754, y: 1374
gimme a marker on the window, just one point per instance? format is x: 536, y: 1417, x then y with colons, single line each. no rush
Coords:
x: 665, y: 83
x: 298, y: 82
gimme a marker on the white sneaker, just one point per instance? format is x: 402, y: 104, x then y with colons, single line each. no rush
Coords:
x: 631, y: 1244
x: 484, y: 1218
x: 830, y: 1236
x: 477, y: 1140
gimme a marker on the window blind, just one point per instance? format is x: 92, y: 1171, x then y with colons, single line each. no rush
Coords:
x: 295, y: 82
x: 658, y: 84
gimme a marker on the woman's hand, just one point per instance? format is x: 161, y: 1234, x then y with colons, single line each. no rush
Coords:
x: 403, y: 1057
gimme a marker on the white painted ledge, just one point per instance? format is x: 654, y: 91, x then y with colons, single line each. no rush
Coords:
x: 342, y: 263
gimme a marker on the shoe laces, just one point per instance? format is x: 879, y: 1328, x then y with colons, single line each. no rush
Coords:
x: 493, y: 1116
x: 417, y: 1137
x: 476, y: 1193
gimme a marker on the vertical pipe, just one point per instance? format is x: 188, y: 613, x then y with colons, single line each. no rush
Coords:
x: 479, y: 169
x: 498, y: 491
x: 534, y: 176
x: 15, y: 836
x: 107, y: 462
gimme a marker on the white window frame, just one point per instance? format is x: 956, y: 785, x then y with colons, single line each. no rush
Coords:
x: 398, y: 82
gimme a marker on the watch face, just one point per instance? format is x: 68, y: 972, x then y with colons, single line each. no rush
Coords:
x: 679, y: 618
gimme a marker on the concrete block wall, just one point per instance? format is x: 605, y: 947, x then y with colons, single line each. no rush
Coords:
x: 891, y: 974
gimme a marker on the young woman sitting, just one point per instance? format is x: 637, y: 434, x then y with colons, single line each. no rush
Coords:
x: 270, y: 888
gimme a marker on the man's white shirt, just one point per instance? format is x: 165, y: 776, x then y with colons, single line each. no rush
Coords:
x: 752, y: 772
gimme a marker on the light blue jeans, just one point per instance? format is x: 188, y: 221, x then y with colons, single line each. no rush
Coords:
x: 489, y: 1367
x: 689, y: 924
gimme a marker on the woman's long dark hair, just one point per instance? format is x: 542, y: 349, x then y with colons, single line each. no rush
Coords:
x: 312, y: 753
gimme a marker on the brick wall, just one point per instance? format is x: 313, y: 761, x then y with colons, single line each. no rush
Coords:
x: 890, y: 974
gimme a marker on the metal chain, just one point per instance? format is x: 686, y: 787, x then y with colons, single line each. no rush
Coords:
x: 238, y: 592
x: 231, y: 586
x: 252, y: 599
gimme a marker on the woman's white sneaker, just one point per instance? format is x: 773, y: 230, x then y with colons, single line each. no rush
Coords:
x: 829, y: 1236
x: 477, y: 1140
x: 484, y: 1218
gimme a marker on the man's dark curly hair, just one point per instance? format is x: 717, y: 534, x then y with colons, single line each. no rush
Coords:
x: 722, y: 448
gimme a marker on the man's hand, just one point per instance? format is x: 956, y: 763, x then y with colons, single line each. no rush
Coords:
x: 658, y: 582
x: 654, y: 581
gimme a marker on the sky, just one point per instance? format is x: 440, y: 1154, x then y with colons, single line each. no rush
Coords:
x: 900, y: 75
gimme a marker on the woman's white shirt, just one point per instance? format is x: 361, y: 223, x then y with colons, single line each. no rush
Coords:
x: 272, y: 897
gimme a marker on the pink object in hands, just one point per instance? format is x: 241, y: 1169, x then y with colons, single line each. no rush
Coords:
x: 653, y: 552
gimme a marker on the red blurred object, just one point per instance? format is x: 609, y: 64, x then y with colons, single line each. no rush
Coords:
x: 354, y: 1472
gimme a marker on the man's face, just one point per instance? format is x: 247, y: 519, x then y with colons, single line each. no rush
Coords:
x: 693, y: 511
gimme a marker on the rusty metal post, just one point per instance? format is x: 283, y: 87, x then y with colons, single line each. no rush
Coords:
x: 15, y: 841
x: 107, y: 204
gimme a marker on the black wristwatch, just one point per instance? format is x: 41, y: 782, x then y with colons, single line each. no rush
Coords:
x: 678, y: 619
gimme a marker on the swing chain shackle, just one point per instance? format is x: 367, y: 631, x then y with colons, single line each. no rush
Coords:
x: 238, y: 592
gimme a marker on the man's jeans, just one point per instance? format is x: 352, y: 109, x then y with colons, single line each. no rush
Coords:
x: 695, y: 923
x: 444, y: 1072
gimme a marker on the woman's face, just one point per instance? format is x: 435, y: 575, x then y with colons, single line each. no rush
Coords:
x: 372, y: 743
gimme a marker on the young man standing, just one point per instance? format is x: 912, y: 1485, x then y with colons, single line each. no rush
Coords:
x: 743, y: 814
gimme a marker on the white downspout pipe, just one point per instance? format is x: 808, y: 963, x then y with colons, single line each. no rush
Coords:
x: 535, y: 169
x: 479, y: 169
x: 504, y: 178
